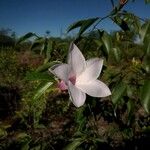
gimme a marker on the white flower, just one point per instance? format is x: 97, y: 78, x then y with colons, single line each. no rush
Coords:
x: 80, y: 77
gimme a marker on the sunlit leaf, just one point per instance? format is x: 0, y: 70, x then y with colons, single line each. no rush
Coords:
x: 118, y: 92
x: 145, y: 96
x: 42, y: 89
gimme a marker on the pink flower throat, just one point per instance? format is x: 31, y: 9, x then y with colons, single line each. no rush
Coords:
x: 72, y: 80
x: 63, y: 86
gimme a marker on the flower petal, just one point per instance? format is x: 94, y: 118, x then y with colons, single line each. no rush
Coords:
x: 92, y: 71
x: 77, y: 96
x: 61, y: 71
x: 95, y: 88
x: 76, y: 60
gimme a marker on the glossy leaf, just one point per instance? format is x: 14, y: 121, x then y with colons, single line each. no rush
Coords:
x: 118, y: 92
x: 145, y: 96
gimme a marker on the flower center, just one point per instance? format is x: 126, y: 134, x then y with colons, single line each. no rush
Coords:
x: 62, y: 85
x: 72, y: 79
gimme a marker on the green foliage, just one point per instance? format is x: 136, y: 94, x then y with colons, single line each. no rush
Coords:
x: 147, y: 1
x: 38, y: 76
x: 145, y: 96
x: 26, y: 37
x: 83, y: 24
x: 41, y: 123
x: 118, y: 92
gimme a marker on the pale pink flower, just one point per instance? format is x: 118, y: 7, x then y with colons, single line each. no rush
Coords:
x: 80, y: 77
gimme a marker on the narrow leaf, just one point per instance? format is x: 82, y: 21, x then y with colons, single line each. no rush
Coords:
x: 121, y: 23
x: 145, y: 96
x: 42, y: 89
x: 26, y: 36
x: 38, y: 76
x: 47, y: 65
x: 83, y: 24
x: 147, y: 1
x: 74, y: 145
x: 37, y: 43
x: 106, y: 38
x: 86, y: 24
x: 118, y: 92
x: 117, y: 54
x: 75, y: 25
x: 144, y: 30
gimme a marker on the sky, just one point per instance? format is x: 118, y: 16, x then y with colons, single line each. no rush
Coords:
x: 23, y: 16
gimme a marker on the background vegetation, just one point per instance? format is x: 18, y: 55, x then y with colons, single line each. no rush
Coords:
x: 35, y: 115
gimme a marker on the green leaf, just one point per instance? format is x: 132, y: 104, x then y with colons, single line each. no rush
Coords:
x: 99, y: 43
x: 145, y: 29
x: 74, y: 145
x: 116, y: 53
x: 75, y: 25
x: 86, y: 24
x: 26, y: 36
x: 145, y: 96
x: 47, y: 65
x: 42, y: 89
x: 146, y: 63
x: 147, y: 51
x: 130, y: 109
x: 147, y: 1
x: 49, y: 49
x: 38, y: 76
x: 83, y: 24
x: 3, y: 133
x: 37, y: 44
x: 107, y: 42
x: 121, y: 23
x: 118, y: 92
